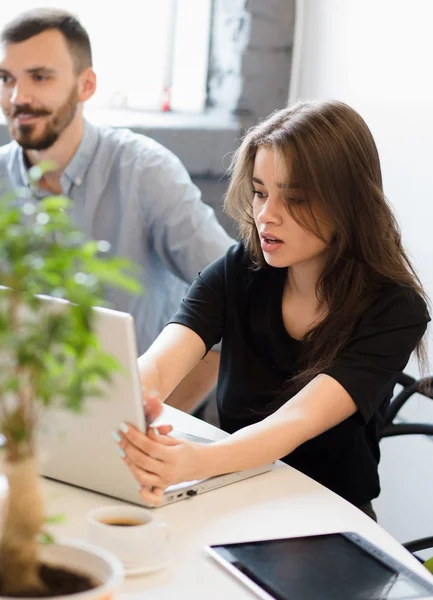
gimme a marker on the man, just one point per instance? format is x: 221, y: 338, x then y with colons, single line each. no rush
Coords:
x: 126, y: 188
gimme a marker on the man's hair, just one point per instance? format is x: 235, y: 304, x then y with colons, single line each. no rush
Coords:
x: 36, y: 21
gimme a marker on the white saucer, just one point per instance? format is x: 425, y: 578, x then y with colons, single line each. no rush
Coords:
x: 156, y: 564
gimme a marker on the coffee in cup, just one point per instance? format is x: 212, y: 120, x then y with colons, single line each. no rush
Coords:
x: 123, y: 522
x: 131, y: 533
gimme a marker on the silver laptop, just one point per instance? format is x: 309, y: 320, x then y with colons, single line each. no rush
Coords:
x: 79, y: 449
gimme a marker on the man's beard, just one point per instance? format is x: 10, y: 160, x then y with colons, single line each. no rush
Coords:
x: 55, y: 125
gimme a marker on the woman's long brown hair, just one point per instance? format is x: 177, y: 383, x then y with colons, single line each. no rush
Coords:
x: 335, y: 159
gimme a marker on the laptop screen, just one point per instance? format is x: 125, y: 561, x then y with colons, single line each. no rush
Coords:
x: 329, y: 567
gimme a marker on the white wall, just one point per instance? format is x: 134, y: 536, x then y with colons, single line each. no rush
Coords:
x: 377, y: 55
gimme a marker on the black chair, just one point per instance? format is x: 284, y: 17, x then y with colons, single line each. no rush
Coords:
x: 410, y: 386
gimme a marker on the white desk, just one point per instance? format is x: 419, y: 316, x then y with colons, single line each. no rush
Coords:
x: 283, y: 503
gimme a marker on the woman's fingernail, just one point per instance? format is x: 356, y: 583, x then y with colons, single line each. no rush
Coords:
x: 154, y: 393
x: 156, y: 431
x: 139, y: 486
x: 124, y: 427
x: 121, y: 451
x: 116, y: 437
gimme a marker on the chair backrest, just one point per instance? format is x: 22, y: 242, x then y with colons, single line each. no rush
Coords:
x: 410, y: 386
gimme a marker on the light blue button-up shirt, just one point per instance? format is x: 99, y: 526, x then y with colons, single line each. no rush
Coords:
x: 131, y: 191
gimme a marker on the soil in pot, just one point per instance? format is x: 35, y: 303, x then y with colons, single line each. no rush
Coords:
x: 60, y: 582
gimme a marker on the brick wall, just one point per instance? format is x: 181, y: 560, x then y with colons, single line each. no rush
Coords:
x: 251, y: 49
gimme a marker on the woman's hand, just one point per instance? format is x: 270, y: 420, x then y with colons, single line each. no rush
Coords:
x: 158, y: 460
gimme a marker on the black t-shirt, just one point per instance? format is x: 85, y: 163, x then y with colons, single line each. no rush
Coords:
x: 230, y: 301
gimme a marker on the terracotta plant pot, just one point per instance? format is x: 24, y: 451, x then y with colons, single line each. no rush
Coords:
x: 86, y: 559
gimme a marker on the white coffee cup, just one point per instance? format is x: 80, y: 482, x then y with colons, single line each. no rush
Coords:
x: 131, y: 533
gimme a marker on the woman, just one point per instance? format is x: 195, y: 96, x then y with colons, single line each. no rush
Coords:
x: 318, y: 309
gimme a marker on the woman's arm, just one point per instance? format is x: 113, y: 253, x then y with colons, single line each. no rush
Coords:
x: 160, y: 461
x: 319, y: 406
x: 197, y: 385
x: 195, y: 329
x: 169, y: 359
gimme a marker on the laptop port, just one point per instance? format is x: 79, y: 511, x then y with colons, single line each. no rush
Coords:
x: 191, y: 493
x: 180, y: 495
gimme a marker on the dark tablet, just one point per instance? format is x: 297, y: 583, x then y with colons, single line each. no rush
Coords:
x: 339, y: 566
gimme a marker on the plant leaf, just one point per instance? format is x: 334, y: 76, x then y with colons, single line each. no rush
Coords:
x: 45, y: 538
x: 55, y: 519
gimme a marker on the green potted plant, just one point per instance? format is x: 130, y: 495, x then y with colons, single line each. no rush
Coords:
x: 48, y: 359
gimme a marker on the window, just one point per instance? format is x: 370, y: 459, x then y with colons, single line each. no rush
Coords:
x: 146, y: 53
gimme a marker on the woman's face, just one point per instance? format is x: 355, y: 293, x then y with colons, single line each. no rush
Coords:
x: 284, y: 242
